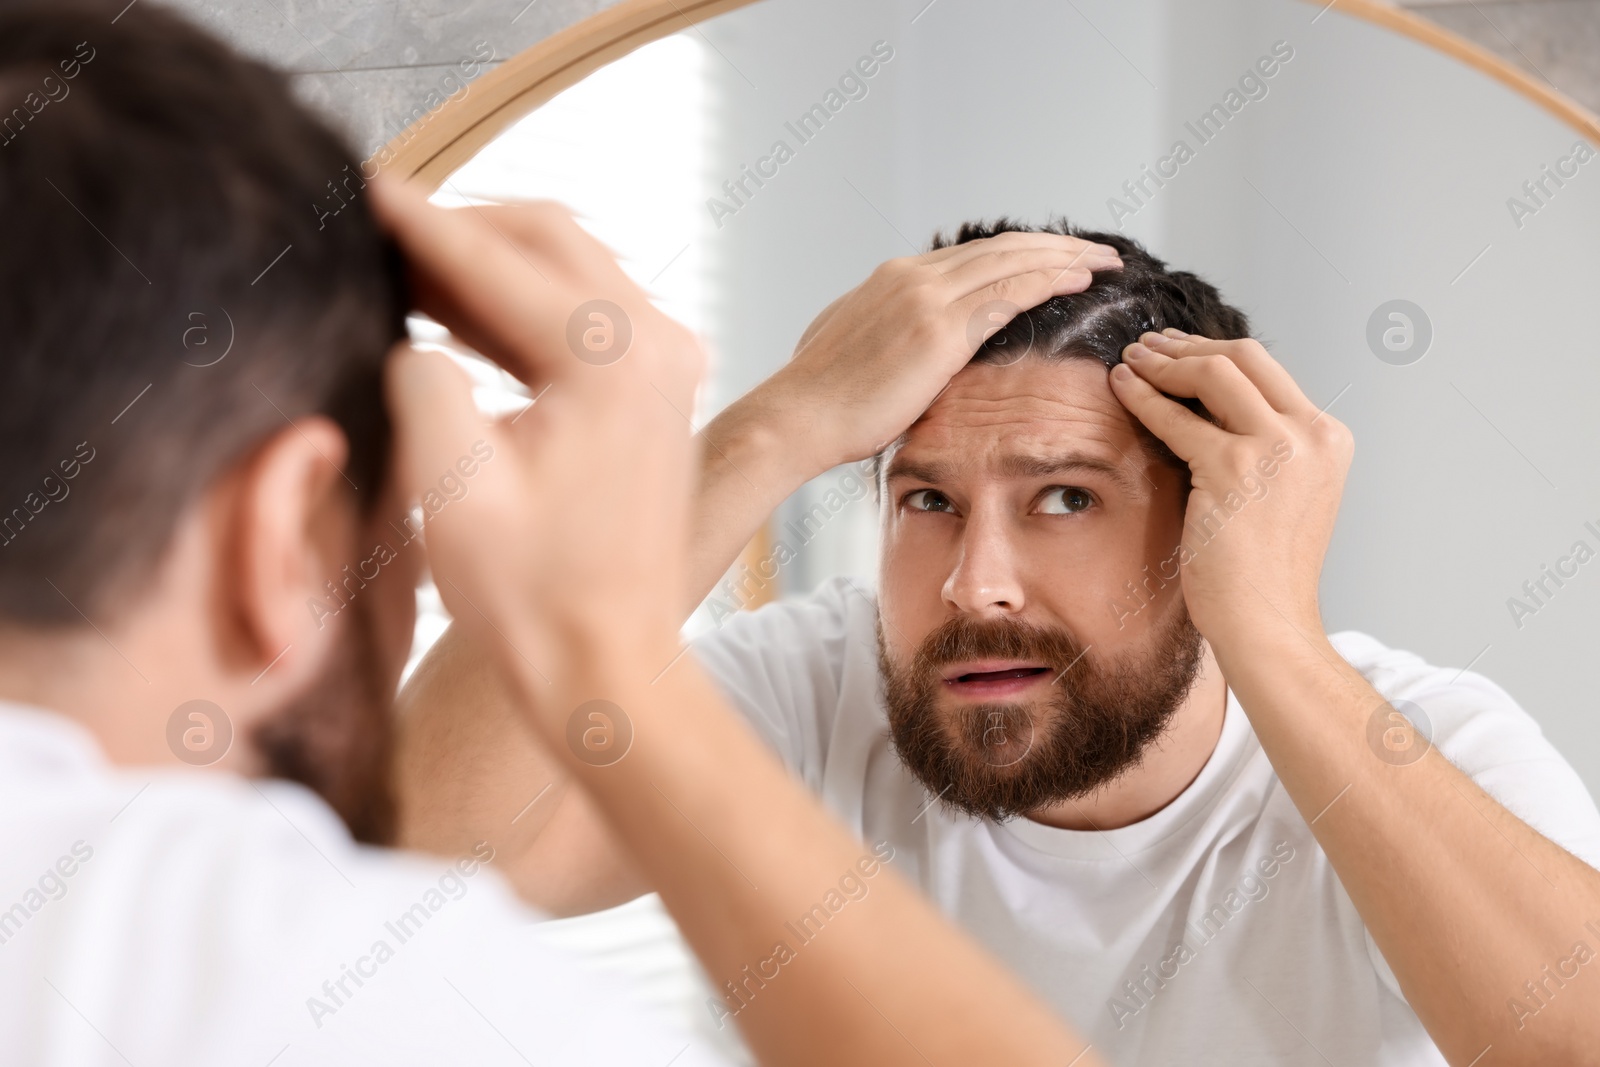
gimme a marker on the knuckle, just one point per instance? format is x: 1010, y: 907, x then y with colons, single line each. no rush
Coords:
x: 1006, y: 289
x: 1240, y: 458
x: 1339, y: 437
x: 1013, y: 242
x: 925, y: 296
x: 899, y: 267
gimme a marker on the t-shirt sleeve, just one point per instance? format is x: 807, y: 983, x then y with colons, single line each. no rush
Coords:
x: 1479, y: 728
x: 781, y: 666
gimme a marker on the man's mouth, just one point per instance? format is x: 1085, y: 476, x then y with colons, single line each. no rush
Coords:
x: 992, y: 680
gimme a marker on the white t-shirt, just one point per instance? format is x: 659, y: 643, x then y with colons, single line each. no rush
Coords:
x: 1213, y: 932
x: 158, y: 918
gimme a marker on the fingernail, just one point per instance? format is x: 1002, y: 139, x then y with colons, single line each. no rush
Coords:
x: 1173, y: 331
x: 1135, y: 351
x: 1150, y: 337
x: 1122, y: 370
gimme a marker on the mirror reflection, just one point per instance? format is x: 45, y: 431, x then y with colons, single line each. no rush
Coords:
x: 903, y: 532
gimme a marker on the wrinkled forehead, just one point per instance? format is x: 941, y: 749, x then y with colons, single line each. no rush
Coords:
x: 1033, y: 406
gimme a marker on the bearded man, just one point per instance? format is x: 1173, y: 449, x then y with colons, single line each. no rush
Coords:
x: 1090, y: 701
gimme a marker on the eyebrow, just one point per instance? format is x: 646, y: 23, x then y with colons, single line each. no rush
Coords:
x: 1015, y: 465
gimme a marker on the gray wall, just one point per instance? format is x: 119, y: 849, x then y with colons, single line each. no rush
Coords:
x: 368, y: 66
x: 1556, y: 40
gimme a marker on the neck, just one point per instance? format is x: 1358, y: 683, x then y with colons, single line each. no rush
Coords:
x: 123, y: 681
x: 65, y: 673
x: 1172, y: 763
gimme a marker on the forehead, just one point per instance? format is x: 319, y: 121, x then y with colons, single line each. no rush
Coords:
x: 1028, y: 407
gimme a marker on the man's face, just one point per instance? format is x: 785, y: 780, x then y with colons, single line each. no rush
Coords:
x: 1015, y: 512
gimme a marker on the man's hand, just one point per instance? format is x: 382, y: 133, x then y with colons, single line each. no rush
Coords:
x: 1266, y: 478
x: 550, y: 538
x: 1433, y: 863
x: 875, y: 358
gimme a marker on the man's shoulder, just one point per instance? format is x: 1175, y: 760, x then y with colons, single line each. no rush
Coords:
x: 838, y: 616
x: 272, y: 842
x: 798, y: 667
x: 1471, y: 720
x: 1480, y: 728
x: 1450, y: 695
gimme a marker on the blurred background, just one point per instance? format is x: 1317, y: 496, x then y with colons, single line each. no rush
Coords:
x: 1386, y: 215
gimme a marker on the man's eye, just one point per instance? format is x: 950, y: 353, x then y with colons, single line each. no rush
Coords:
x: 928, y: 500
x: 1065, y: 500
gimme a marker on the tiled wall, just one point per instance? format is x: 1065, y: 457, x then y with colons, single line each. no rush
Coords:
x: 371, y: 64
x: 1557, y: 40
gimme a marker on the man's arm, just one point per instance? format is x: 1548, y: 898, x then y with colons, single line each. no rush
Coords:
x: 865, y: 368
x: 1465, y: 900
x: 738, y: 850
x: 471, y: 769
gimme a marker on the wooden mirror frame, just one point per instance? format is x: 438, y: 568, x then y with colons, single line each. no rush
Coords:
x: 439, y: 143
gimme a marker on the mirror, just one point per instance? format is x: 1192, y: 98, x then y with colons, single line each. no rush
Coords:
x: 1412, y: 237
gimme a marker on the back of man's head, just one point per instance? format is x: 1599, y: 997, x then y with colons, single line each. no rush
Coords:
x: 178, y: 282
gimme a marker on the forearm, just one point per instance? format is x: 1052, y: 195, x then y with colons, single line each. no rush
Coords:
x: 750, y: 462
x: 741, y: 853
x: 469, y: 769
x: 1465, y: 900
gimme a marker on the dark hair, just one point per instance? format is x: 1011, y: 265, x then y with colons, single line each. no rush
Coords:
x: 1098, y: 323
x: 1117, y: 307
x: 166, y: 201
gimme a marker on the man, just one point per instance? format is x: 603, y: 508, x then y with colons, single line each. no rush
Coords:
x: 1092, y: 705
x: 207, y: 572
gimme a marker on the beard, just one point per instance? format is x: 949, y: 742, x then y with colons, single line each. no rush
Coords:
x: 1000, y: 760
x: 337, y: 738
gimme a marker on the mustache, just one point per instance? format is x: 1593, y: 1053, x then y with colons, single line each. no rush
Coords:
x: 963, y: 637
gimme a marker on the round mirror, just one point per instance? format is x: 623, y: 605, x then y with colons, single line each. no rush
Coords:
x: 1409, y: 225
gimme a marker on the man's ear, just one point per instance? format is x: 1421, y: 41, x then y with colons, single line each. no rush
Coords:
x: 293, y: 516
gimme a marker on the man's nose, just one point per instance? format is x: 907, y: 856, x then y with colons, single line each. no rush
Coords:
x: 986, y: 579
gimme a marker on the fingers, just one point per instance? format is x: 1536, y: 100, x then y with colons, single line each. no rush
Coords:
x: 1075, y: 250
x: 1187, y: 434
x: 1275, y: 383
x: 480, y: 286
x: 1215, y: 380
x: 1021, y: 276
x: 1006, y: 298
x: 994, y: 263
